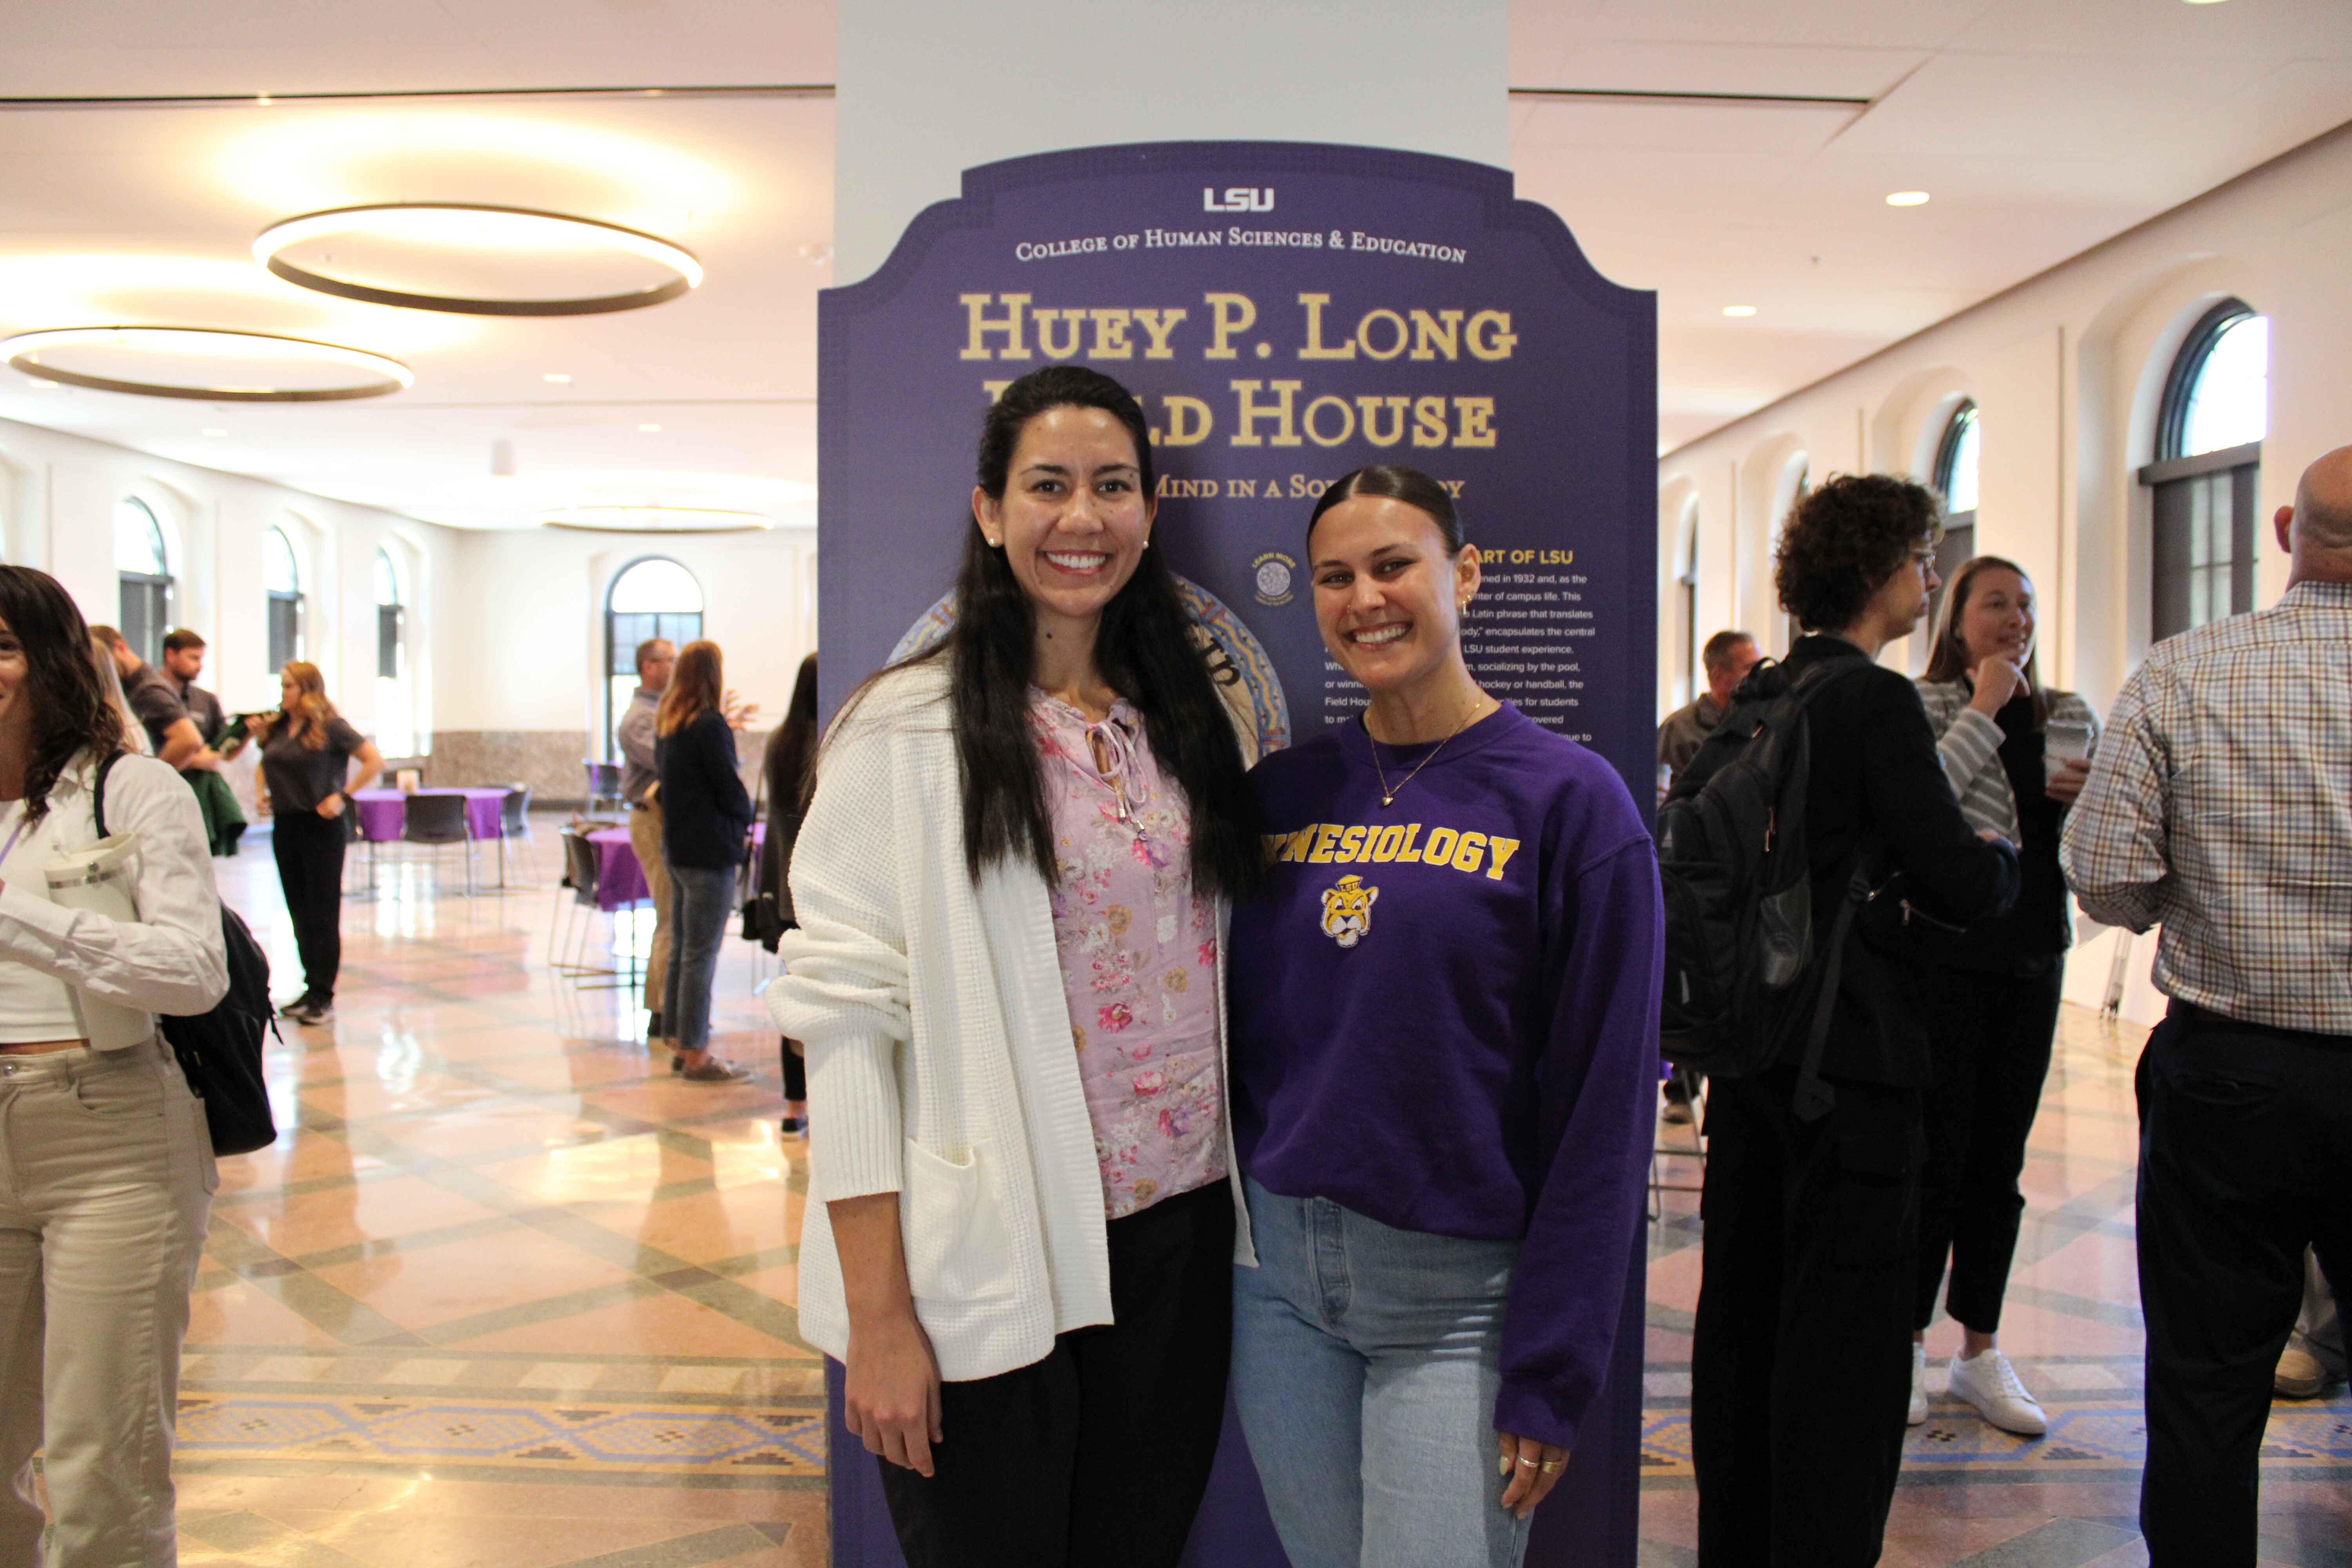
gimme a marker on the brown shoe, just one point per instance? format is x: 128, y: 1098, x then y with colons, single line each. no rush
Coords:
x: 2299, y: 1374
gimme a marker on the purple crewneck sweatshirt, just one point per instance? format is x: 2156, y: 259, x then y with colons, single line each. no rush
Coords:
x: 1445, y: 1016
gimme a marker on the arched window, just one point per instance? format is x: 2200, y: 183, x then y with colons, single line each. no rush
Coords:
x: 395, y: 716
x: 1688, y: 661
x: 144, y: 572
x: 654, y: 597
x: 1956, y: 478
x: 281, y: 579
x: 2210, y: 432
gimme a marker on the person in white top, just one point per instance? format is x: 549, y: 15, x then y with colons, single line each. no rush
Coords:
x: 106, y: 1168
x: 1009, y: 978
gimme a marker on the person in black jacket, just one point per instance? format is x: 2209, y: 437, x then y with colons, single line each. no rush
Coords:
x: 706, y: 822
x: 1802, y: 1350
x: 786, y: 767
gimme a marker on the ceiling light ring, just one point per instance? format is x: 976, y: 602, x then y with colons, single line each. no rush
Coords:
x: 21, y: 352
x: 653, y: 247
x: 611, y: 519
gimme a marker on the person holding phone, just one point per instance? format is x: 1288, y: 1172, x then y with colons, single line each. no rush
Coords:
x: 2016, y: 754
x: 307, y: 752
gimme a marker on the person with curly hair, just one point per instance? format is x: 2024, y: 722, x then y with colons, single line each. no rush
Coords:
x: 1800, y: 1356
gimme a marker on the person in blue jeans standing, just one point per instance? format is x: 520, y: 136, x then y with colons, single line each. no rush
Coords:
x: 1443, y: 1027
x: 706, y: 823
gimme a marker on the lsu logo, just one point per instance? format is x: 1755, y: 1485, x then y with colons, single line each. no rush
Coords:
x: 1238, y: 199
x: 1347, y: 910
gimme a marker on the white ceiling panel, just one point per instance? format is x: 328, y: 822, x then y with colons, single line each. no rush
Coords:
x: 2040, y: 128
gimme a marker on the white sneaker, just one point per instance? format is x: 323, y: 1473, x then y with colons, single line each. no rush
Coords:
x: 1918, y: 1417
x: 1990, y: 1384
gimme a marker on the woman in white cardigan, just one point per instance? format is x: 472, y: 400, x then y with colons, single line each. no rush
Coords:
x: 1008, y: 977
x: 106, y: 1169
x: 1993, y: 1002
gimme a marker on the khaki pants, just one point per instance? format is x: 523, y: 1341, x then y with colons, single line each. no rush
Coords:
x: 106, y: 1178
x: 645, y: 838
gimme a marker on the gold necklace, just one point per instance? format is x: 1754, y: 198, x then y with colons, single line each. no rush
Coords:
x: 1387, y: 795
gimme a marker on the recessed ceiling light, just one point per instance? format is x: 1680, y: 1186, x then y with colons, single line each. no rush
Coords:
x: 514, y: 232
x: 1739, y: 309
x: 214, y: 430
x: 293, y: 364
x: 558, y: 377
x: 1908, y: 199
x: 2204, y: 2
x: 45, y: 385
x: 648, y: 429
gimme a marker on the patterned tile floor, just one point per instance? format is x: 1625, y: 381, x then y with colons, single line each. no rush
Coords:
x: 506, y: 1296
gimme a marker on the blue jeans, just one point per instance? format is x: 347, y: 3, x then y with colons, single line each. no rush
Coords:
x: 1365, y: 1364
x: 701, y: 902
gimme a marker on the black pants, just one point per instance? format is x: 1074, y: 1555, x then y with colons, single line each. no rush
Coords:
x: 1098, y: 1454
x: 795, y: 1068
x: 1989, y: 1036
x: 1801, y: 1359
x: 309, y: 850
x: 2246, y: 1158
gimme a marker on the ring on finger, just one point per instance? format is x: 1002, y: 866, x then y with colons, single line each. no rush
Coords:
x: 1549, y: 1466
x: 1524, y: 1460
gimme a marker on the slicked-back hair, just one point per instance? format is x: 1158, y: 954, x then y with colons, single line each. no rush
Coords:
x: 1393, y: 482
x: 1143, y: 649
x: 72, y: 709
x: 180, y: 640
x: 1844, y: 540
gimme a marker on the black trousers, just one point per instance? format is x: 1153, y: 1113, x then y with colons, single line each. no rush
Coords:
x: 1099, y: 1453
x: 1801, y: 1359
x: 309, y: 850
x: 2245, y: 1159
x: 1990, y: 1036
x: 795, y: 1070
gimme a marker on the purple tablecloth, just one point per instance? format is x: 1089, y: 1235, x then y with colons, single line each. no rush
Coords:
x: 620, y: 881
x: 384, y: 812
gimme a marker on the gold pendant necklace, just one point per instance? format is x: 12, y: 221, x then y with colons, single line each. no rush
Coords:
x: 1387, y: 795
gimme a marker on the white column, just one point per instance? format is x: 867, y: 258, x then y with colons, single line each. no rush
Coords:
x: 927, y: 91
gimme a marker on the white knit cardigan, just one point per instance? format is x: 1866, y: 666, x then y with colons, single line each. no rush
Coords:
x: 940, y: 1057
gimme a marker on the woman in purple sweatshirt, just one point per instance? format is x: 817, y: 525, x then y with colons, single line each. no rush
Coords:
x: 1444, y: 1026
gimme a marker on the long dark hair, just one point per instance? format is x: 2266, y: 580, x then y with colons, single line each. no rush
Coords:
x: 71, y: 712
x: 1143, y: 649
x: 1949, y: 659
x: 697, y: 686
x: 791, y: 780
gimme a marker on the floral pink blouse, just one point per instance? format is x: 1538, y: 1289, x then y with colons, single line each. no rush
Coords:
x: 1138, y: 956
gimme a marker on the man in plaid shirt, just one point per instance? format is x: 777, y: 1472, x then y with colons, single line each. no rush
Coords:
x: 2220, y: 806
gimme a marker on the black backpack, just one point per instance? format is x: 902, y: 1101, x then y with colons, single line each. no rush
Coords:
x: 220, y: 1051
x: 1743, y: 969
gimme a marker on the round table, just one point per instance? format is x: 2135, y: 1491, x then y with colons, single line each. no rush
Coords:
x: 620, y: 880
x: 383, y: 813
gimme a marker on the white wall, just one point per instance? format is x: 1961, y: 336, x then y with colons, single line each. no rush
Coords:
x: 58, y: 494
x: 531, y: 655
x: 2067, y: 369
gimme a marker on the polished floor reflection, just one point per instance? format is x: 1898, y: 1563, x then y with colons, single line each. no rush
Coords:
x: 505, y: 1295
x: 1971, y: 1494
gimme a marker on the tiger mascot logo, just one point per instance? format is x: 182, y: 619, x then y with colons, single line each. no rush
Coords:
x: 1348, y: 912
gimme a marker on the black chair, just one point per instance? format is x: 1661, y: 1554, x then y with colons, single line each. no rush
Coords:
x: 603, y: 785
x: 514, y: 822
x: 435, y: 820
x: 568, y: 952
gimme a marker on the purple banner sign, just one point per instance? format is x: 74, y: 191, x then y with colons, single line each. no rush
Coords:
x: 1286, y: 312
